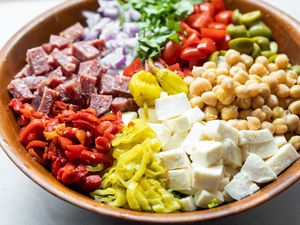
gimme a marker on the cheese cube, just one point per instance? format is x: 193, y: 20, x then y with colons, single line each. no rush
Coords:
x: 163, y: 94
x: 128, y: 116
x: 207, y: 178
x: 263, y: 149
x: 280, y: 140
x: 163, y: 133
x: 285, y: 156
x: 258, y: 170
x: 175, y: 141
x: 151, y: 114
x: 232, y: 154
x: 230, y: 172
x: 180, y: 179
x: 171, y: 106
x: 255, y: 136
x: 189, y: 192
x: 218, y: 130
x: 192, y: 137
x: 207, y: 153
x: 240, y: 186
x: 188, y: 204
x: 223, y: 182
x: 174, y: 159
x: 203, y: 198
x: 178, y: 124
x: 194, y: 115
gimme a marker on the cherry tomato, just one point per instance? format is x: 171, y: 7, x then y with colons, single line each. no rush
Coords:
x: 224, y: 44
x: 191, y: 53
x: 191, y: 41
x: 171, y: 53
x: 193, y: 63
x: 186, y: 28
x: 219, y: 4
x: 134, y: 67
x: 208, y: 8
x: 216, y: 35
x: 217, y: 26
x: 207, y: 46
x: 199, y: 21
x: 224, y: 17
x: 196, y: 9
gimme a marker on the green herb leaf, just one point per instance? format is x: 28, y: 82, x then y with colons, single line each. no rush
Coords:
x: 214, y: 203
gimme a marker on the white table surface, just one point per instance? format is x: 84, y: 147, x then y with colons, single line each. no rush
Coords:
x: 22, y: 202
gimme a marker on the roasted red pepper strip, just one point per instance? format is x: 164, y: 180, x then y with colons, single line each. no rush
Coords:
x: 102, y: 144
x: 36, y: 144
x: 36, y: 126
x: 84, y: 125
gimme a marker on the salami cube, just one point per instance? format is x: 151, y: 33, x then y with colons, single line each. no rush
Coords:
x: 59, y: 42
x: 101, y: 103
x: 66, y: 62
x: 98, y: 43
x: 33, y: 82
x: 121, y: 84
x: 123, y: 104
x: 38, y: 60
x: 55, y: 78
x: 36, y: 102
x: 72, y: 33
x: 87, y: 85
x: 90, y: 68
x: 20, y: 90
x: 25, y: 72
x: 47, y: 100
x: 106, y: 85
x: 84, y: 51
x: 48, y: 48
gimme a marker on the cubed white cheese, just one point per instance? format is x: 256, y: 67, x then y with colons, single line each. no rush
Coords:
x: 203, y: 198
x: 207, y: 178
x: 152, y: 118
x: 280, y: 140
x: 285, y: 156
x: 180, y: 179
x: 262, y: 149
x: 163, y: 94
x: 171, y: 106
x: 178, y: 124
x: 188, y: 204
x: 192, y: 137
x: 175, y: 141
x: 223, y: 182
x: 128, y: 116
x: 241, y: 186
x: 232, y: 154
x: 230, y: 172
x: 207, y: 153
x: 174, y: 159
x: 163, y: 133
x: 258, y: 170
x: 189, y: 192
x: 218, y: 130
x: 255, y: 136
x: 194, y: 115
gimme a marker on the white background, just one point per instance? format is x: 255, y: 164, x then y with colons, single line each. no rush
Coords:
x: 22, y: 202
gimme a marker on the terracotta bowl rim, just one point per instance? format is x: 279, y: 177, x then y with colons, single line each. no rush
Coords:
x: 226, y: 210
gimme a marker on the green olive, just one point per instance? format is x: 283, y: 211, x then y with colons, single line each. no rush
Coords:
x: 223, y: 52
x: 242, y: 45
x: 251, y: 17
x: 263, y: 42
x: 237, y: 31
x: 273, y: 57
x: 256, y: 51
x: 274, y: 46
x: 296, y: 68
x: 214, y: 57
x: 260, y: 29
x: 236, y: 17
x: 267, y: 54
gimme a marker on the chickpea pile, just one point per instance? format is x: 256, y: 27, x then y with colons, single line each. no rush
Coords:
x: 249, y: 94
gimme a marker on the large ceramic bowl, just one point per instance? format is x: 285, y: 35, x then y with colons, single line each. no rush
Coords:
x: 12, y: 59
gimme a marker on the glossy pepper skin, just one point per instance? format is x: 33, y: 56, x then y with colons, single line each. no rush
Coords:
x: 144, y: 88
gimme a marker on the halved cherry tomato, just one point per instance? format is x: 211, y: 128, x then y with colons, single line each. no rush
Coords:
x: 172, y: 52
x: 193, y: 63
x: 224, y: 44
x: 216, y: 35
x: 134, y: 67
x: 207, y: 46
x: 186, y: 28
x: 219, y: 4
x: 191, y: 53
x: 208, y: 8
x: 224, y: 17
x: 196, y: 9
x: 217, y: 26
x: 198, y: 21
x: 192, y: 41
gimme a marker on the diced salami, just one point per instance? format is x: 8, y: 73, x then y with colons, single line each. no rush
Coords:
x: 98, y: 43
x: 90, y: 68
x: 33, y: 82
x: 55, y: 78
x: 59, y: 42
x: 87, y: 85
x: 67, y: 51
x: 106, y: 85
x: 66, y: 62
x: 84, y: 51
x: 121, y: 84
x: 38, y: 60
x: 47, y: 101
x: 48, y: 48
x: 123, y: 104
x: 101, y: 103
x: 25, y: 72
x: 20, y: 90
x: 36, y: 101
x: 73, y: 33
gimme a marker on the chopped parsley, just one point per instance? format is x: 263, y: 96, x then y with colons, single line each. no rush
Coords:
x: 214, y: 203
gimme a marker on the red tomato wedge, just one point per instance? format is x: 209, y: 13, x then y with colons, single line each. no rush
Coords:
x: 224, y: 17
x: 198, y: 21
x: 191, y: 53
x: 208, y: 7
x: 192, y: 41
x: 216, y: 35
x: 219, y: 4
x: 217, y: 26
x: 134, y: 67
x: 188, y: 30
x: 207, y: 46
x: 171, y: 53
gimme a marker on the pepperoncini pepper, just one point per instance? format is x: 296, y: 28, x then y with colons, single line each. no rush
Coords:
x: 144, y: 88
x: 169, y: 80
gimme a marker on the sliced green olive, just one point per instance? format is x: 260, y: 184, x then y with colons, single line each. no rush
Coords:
x: 267, y: 54
x: 236, y: 17
x: 260, y: 29
x: 242, y: 45
x: 274, y: 46
x: 223, y: 52
x: 251, y: 17
x: 263, y: 42
x: 214, y: 57
x: 256, y: 51
x: 296, y: 68
x: 273, y: 57
x: 237, y: 31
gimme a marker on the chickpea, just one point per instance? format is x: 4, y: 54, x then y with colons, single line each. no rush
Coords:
x: 280, y: 75
x: 199, y: 85
x: 258, y: 113
x: 197, y: 71
x: 197, y: 101
x: 220, y: 106
x: 248, y: 82
x: 229, y: 112
x: 254, y: 90
x: 258, y: 102
x: 298, y: 80
x: 272, y: 101
x: 255, y: 78
x: 268, y: 111
x: 241, y: 76
x: 258, y: 69
x: 225, y: 97
x: 244, y: 103
x: 271, y: 81
x: 292, y: 74
x: 272, y: 67
x: 280, y: 126
x: 269, y: 126
x: 215, y: 88
x: 282, y: 91
x: 248, y: 60
x: 211, y: 113
x: 235, y: 69
x: 233, y: 123
x: 221, y: 78
x: 223, y: 64
x: 253, y: 123
x: 289, y: 101
x: 295, y: 107
x: 242, y: 91
x: 295, y: 141
x: 278, y: 112
x: 228, y: 84
x: 295, y: 91
x: 222, y: 71
x: 210, y: 75
x: 232, y: 57
x: 282, y: 61
x: 265, y: 90
x: 188, y: 80
x: 243, y: 114
x: 290, y: 82
x: 210, y: 65
x: 297, y: 131
x: 209, y: 98
x: 292, y: 121
x: 243, y: 125
x: 263, y: 60
x: 241, y: 65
